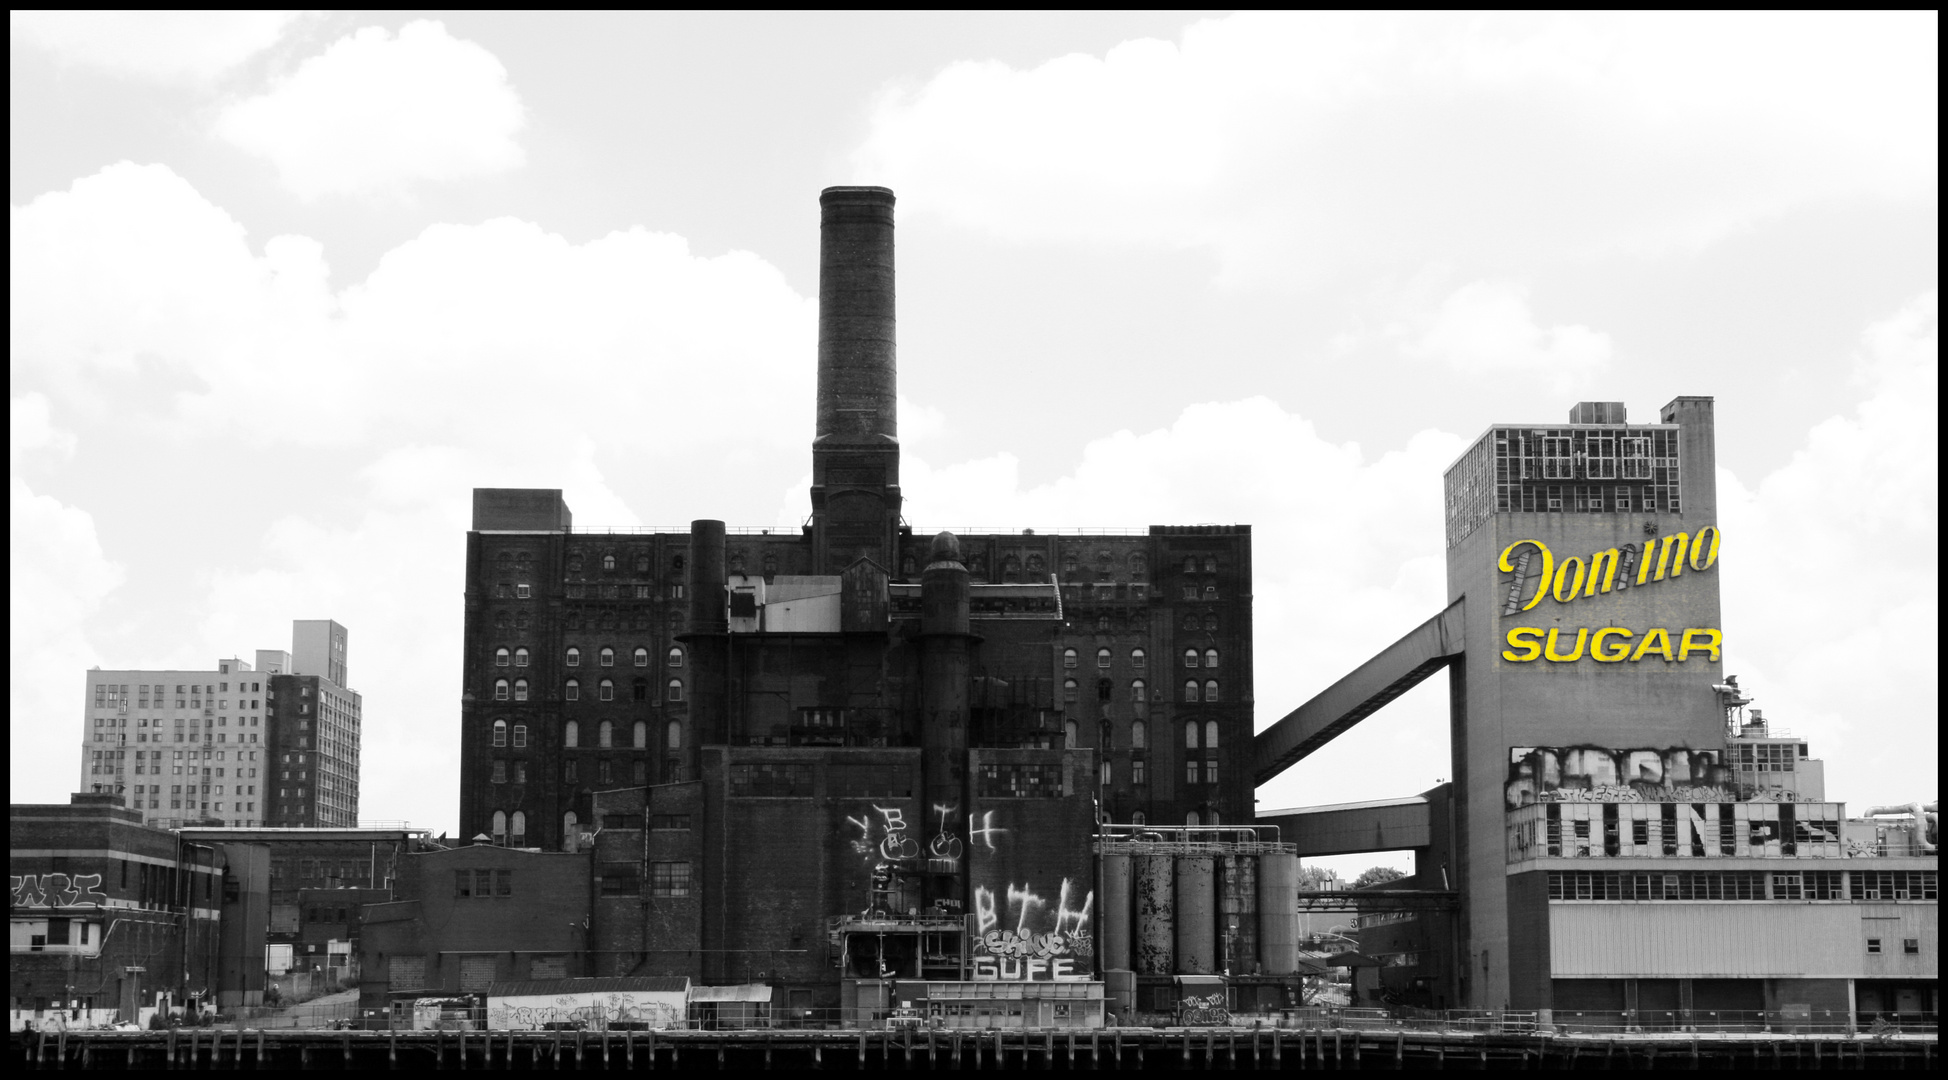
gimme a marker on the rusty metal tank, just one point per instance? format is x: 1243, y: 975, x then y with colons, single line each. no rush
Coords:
x: 1278, y: 915
x: 1117, y: 884
x: 1197, y: 942
x: 1238, y: 913
x: 1156, y: 914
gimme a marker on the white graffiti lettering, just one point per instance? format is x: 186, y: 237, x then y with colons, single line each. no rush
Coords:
x: 987, y: 832
x: 984, y: 913
x: 1020, y: 969
x: 56, y: 890
x: 1025, y: 902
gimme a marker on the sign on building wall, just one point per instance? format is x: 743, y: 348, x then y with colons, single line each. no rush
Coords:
x: 1537, y: 573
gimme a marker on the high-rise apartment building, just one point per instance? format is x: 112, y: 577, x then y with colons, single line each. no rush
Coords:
x: 208, y: 746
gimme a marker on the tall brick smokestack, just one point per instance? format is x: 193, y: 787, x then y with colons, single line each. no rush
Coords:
x: 856, y: 387
x: 856, y: 450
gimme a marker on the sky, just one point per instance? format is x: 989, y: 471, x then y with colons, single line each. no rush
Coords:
x: 286, y: 287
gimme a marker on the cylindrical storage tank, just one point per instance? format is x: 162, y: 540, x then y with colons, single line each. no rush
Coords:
x: 1197, y: 952
x: 1116, y: 913
x: 1156, y: 914
x: 1278, y: 914
x: 1238, y: 913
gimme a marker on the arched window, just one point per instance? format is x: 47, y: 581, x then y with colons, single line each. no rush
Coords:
x: 675, y: 658
x: 1139, y: 658
x: 1102, y: 658
x: 1073, y: 731
x: 500, y: 657
x: 1139, y: 566
x: 1210, y: 690
x: 1105, y: 690
x: 500, y: 689
x: 607, y: 690
x: 571, y: 735
x: 1190, y: 622
x: 518, y: 829
x: 642, y: 564
x: 1212, y: 817
x: 605, y: 734
x: 1139, y: 735
x: 1139, y: 818
x: 1190, y: 564
x: 673, y: 690
x: 641, y: 739
x: 639, y: 690
x: 1068, y: 658
x: 1210, y: 735
x: 642, y: 657
x: 572, y: 692
x: 1210, y: 564
x: 500, y: 827
x: 575, y: 564
x: 520, y: 736
x: 1210, y: 623
x: 1190, y: 689
x: 520, y: 689
x: 1069, y: 691
x: 1190, y: 735
x: 1139, y: 698
x: 608, y: 562
x: 608, y: 657
x: 673, y: 735
x: 1102, y: 623
x: 1210, y: 658
x: 500, y: 733
x: 1191, y: 819
x: 1190, y: 658
x: 1210, y: 592
x: 520, y: 658
x: 568, y: 823
x: 574, y: 657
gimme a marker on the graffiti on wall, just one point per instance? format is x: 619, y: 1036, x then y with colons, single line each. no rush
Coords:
x: 1205, y: 1009
x: 895, y: 842
x: 1025, y: 938
x: 1603, y: 774
x: 57, y: 890
x: 945, y: 847
x: 593, y: 1011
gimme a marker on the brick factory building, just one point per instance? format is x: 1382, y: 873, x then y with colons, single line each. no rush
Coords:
x: 856, y: 750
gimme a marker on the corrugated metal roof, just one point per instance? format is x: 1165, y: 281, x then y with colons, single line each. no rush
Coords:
x: 646, y: 984
x: 784, y: 587
x: 746, y: 992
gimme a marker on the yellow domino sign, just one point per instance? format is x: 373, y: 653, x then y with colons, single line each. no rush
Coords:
x: 1575, y: 578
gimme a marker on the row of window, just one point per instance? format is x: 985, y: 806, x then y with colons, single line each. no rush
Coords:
x: 1744, y: 885
x: 1193, y: 690
x: 517, y: 690
x: 1138, y: 658
x: 604, y: 658
x: 571, y: 734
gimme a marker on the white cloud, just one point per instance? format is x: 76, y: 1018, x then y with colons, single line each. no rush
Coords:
x: 58, y: 578
x: 31, y: 430
x: 461, y: 334
x: 1832, y: 574
x: 1486, y: 326
x: 163, y: 46
x: 1302, y: 145
x: 375, y: 113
